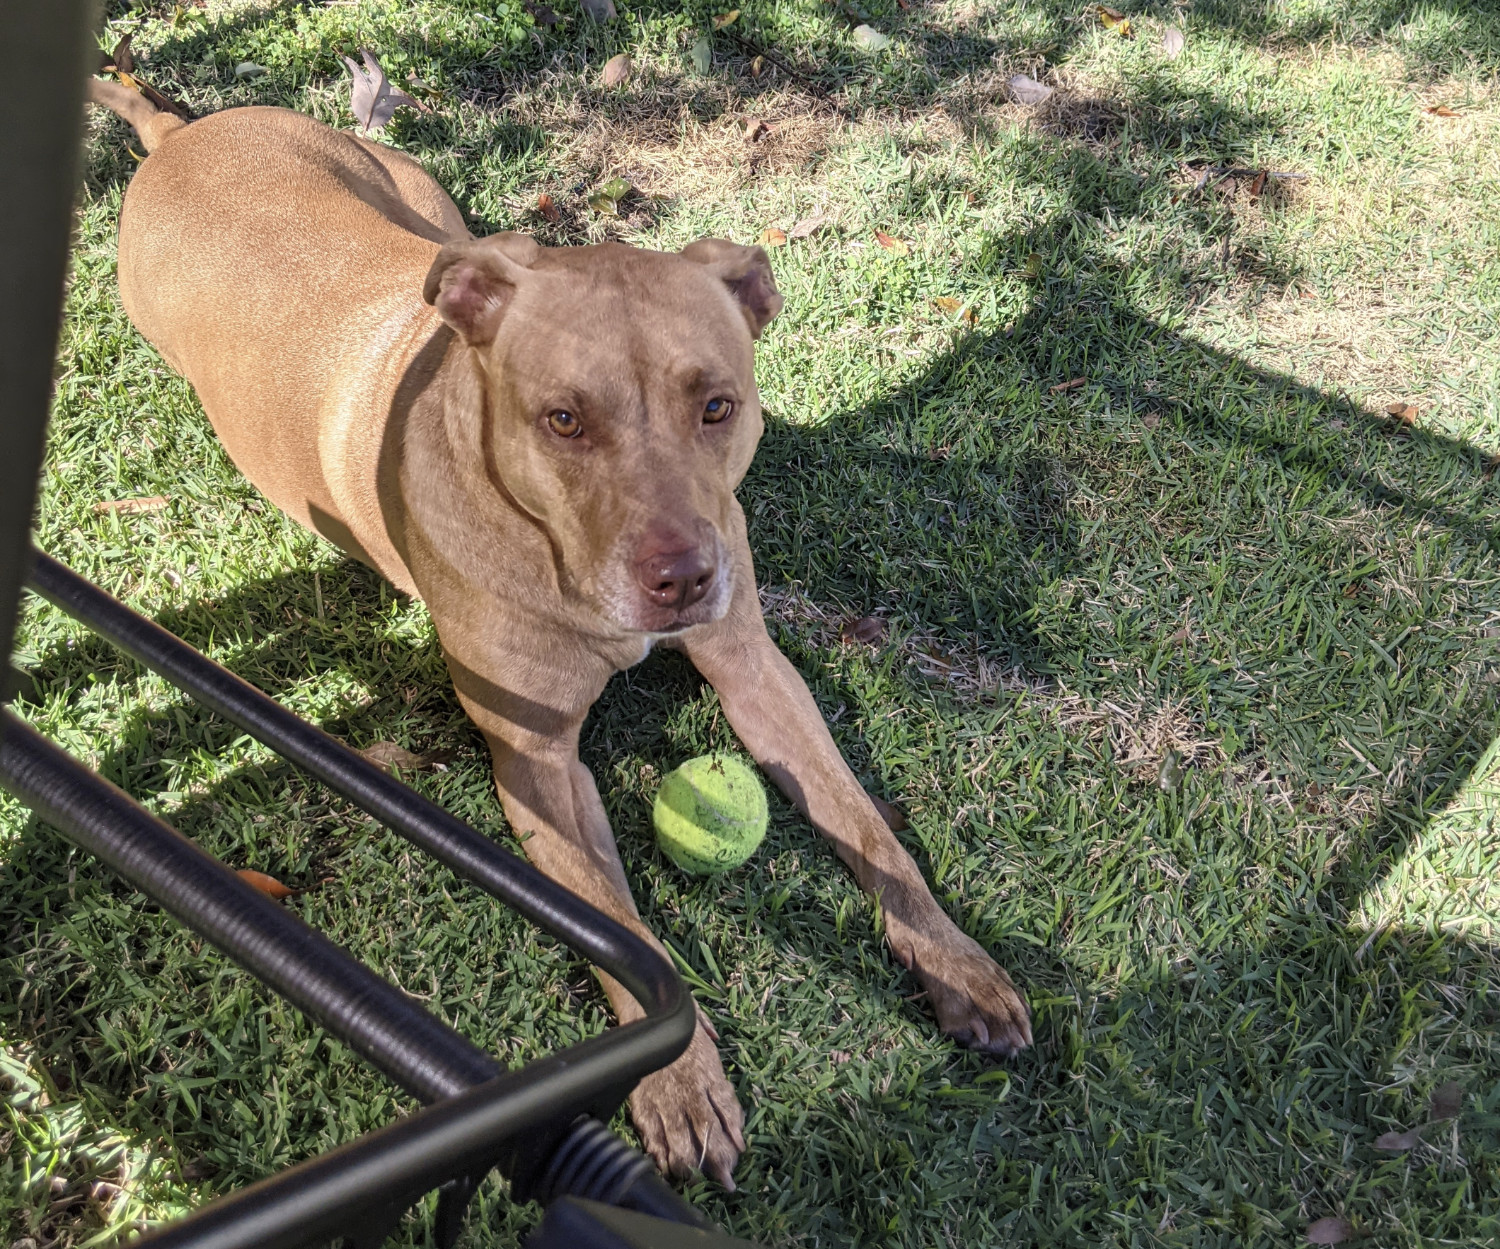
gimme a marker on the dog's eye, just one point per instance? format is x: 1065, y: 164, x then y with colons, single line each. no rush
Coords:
x: 564, y: 424
x: 716, y: 410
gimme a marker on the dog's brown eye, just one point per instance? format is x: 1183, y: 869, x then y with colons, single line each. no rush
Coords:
x: 716, y: 410
x: 564, y: 424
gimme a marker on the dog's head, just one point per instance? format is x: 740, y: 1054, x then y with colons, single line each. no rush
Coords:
x: 620, y: 407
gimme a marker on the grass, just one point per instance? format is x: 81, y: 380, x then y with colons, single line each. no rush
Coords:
x: 1216, y: 545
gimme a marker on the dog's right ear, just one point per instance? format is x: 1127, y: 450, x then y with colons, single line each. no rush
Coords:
x: 472, y: 283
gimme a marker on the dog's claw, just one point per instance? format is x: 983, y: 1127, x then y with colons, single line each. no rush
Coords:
x: 688, y: 1116
x: 975, y: 1001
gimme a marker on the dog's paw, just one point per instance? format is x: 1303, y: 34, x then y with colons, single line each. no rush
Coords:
x: 976, y: 1003
x: 688, y: 1116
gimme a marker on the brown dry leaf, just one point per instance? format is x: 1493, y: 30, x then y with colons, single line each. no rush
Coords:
x: 1351, y: 589
x: 722, y: 20
x: 1113, y: 19
x: 122, y: 59
x: 807, y: 227
x: 753, y: 128
x: 1065, y: 386
x: 389, y: 755
x: 131, y: 506
x: 1447, y: 1101
x: 1258, y: 185
x: 955, y: 307
x: 1329, y: 1232
x: 1406, y: 413
x: 372, y: 98
x: 757, y: 66
x: 268, y: 885
x: 1172, y: 43
x: 891, y: 243
x: 1442, y: 110
x: 617, y: 70
x: 772, y: 237
x: 1180, y: 638
x: 547, y: 206
x: 1399, y: 1142
x: 867, y: 629
x: 893, y: 817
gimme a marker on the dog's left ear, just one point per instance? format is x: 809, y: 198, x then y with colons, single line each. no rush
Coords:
x: 472, y: 283
x: 746, y: 271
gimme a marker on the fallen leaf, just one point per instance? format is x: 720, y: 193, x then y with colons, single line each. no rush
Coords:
x: 268, y: 885
x: 372, y: 98
x: 130, y: 506
x: 1329, y: 1232
x: 772, y: 237
x: 893, y: 817
x: 1399, y: 1142
x: 599, y: 10
x: 757, y: 66
x: 547, y: 206
x: 753, y: 128
x: 1150, y: 419
x: 1442, y: 110
x: 1033, y: 265
x: 602, y: 204
x: 1180, y: 638
x: 1258, y: 185
x: 1169, y: 775
x: 1113, y: 19
x: 892, y: 244
x: 870, y: 39
x: 1028, y: 90
x: 1447, y: 1101
x: 1172, y: 43
x: 249, y: 69
x: 617, y: 70
x: 617, y: 188
x: 867, y: 629
x: 122, y: 58
x: 807, y: 227
x: 1066, y: 386
x: 1351, y: 589
x: 541, y: 14
x: 389, y: 755
x: 722, y: 20
x: 702, y: 54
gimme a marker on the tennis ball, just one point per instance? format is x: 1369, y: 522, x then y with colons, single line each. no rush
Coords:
x: 710, y: 814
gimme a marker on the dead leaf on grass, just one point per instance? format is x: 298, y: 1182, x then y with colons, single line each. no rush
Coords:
x: 1172, y: 43
x: 547, y: 206
x: 1061, y: 387
x: 753, y: 129
x: 897, y: 247
x: 389, y: 755
x: 1329, y: 1232
x: 1406, y: 413
x: 122, y: 59
x: 722, y: 20
x: 268, y: 885
x: 807, y: 227
x: 1399, y: 1142
x: 955, y: 307
x: 869, y: 630
x: 131, y: 506
x: 599, y: 10
x: 1442, y: 110
x: 1113, y: 19
x: 870, y: 40
x: 1447, y: 1101
x: 1258, y: 185
x: 1028, y: 90
x: 617, y: 70
x: 772, y: 237
x: 757, y: 66
x: 372, y: 98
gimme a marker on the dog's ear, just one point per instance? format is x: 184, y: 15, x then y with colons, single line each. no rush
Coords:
x: 471, y: 283
x: 746, y: 271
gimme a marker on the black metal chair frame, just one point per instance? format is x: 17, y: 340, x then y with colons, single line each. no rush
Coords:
x: 541, y: 1126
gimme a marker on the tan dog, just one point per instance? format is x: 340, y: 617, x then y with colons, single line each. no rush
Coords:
x: 542, y: 443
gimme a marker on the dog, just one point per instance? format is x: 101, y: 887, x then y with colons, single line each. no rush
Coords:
x: 543, y: 444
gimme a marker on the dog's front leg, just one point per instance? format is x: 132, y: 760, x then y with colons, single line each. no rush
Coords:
x: 772, y: 711
x: 687, y: 1114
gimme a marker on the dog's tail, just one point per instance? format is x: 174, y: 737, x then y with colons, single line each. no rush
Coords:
x: 151, y: 123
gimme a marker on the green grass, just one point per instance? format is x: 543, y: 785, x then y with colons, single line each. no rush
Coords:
x: 1217, y: 544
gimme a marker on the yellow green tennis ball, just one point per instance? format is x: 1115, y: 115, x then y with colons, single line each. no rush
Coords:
x: 710, y: 814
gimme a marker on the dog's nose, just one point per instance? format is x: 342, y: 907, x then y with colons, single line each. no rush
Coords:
x: 676, y: 579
